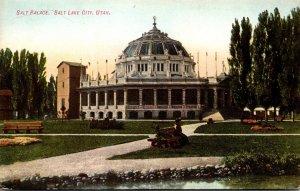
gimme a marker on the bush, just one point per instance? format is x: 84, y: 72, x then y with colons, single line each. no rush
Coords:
x: 101, y: 124
x: 112, y: 176
x: 263, y: 164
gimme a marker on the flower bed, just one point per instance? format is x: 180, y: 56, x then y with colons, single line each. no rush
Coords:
x: 4, y: 142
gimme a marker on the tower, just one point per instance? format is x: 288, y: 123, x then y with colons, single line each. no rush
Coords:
x: 68, y: 80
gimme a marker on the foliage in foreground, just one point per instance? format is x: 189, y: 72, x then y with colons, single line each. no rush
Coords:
x: 263, y: 163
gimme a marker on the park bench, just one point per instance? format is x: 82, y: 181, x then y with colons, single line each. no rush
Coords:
x: 23, y: 126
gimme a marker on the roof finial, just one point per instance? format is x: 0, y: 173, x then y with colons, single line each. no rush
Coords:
x: 154, y: 19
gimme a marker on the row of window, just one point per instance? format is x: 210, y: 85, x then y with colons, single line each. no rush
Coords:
x: 142, y: 67
x: 186, y: 68
x: 129, y: 68
x: 173, y: 67
x: 159, y: 67
x: 156, y: 48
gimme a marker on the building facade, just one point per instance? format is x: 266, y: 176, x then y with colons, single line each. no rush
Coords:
x: 155, y: 78
x: 68, y: 81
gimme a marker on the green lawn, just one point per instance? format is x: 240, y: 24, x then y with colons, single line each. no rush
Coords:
x: 81, y: 127
x: 201, y: 146
x: 58, y: 145
x: 238, y: 128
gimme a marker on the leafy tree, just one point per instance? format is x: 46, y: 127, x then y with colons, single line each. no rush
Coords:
x: 25, y: 74
x: 41, y: 85
x: 274, y: 41
x: 234, y: 63
x: 240, y: 62
x: 290, y: 50
x: 6, y: 71
x: 51, y: 97
x: 260, y: 60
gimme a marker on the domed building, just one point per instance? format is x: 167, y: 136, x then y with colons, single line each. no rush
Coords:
x: 155, y: 78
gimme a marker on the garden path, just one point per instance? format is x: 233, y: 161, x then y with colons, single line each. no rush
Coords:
x: 95, y: 161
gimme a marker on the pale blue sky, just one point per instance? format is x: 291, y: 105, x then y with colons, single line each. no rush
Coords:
x: 200, y: 25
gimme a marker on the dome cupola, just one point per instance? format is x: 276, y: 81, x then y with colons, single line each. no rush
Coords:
x: 155, y: 54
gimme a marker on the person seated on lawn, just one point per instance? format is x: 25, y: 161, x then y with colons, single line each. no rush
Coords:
x: 178, y: 132
x: 177, y: 127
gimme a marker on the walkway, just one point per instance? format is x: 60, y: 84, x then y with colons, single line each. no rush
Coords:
x: 95, y: 161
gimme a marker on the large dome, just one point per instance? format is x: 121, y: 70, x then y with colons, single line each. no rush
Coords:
x: 155, y: 54
x: 154, y: 42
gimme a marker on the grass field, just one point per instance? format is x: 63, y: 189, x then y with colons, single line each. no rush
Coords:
x: 82, y: 127
x: 201, y: 146
x: 58, y: 145
x: 238, y: 128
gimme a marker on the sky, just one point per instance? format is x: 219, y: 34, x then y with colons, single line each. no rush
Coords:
x: 78, y: 34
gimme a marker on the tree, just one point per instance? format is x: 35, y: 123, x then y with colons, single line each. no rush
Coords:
x: 240, y: 62
x: 274, y: 41
x: 6, y: 71
x: 260, y: 62
x: 246, y: 72
x: 234, y: 63
x: 51, y: 97
x: 41, y: 85
x: 16, y: 99
x: 290, y: 50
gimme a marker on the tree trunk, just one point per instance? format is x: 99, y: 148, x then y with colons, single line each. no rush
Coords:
x: 293, y: 116
x: 274, y: 115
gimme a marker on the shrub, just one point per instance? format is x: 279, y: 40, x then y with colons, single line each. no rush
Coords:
x: 112, y: 176
x: 112, y: 124
x: 263, y: 164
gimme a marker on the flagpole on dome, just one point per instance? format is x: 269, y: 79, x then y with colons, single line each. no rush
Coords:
x: 216, y: 59
x: 198, y: 64
x: 106, y: 70
x: 97, y: 71
x: 206, y: 64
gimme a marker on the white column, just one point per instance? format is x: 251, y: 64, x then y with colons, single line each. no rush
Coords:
x: 125, y: 97
x: 155, y: 97
x: 198, y: 97
x: 105, y: 99
x: 115, y: 99
x: 169, y: 98
x: 97, y: 100
x: 215, y: 98
x: 88, y: 99
x: 140, y: 97
x: 80, y: 102
x: 125, y: 103
x: 183, y: 97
